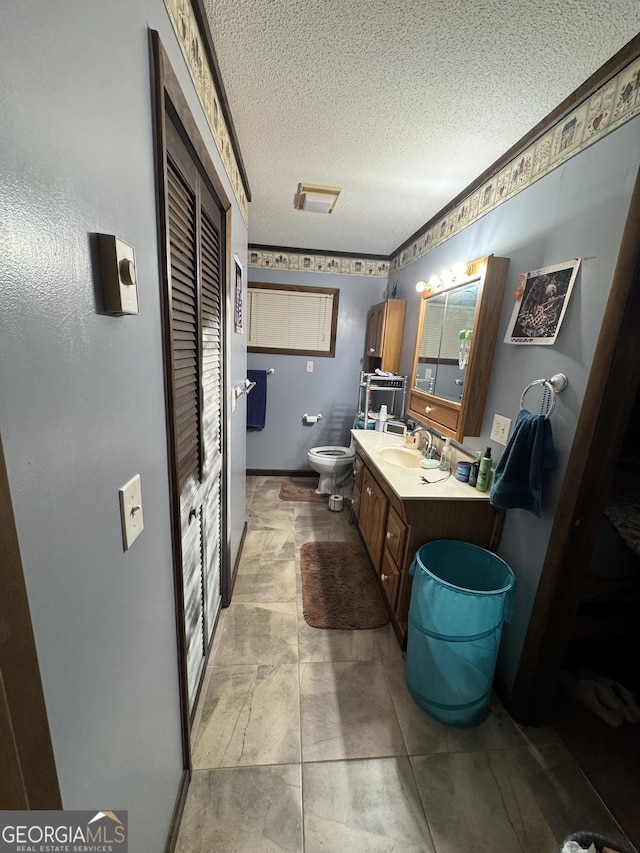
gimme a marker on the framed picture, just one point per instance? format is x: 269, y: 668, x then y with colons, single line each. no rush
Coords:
x: 237, y: 301
x: 541, y: 302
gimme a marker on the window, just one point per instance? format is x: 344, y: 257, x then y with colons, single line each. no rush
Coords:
x: 292, y: 319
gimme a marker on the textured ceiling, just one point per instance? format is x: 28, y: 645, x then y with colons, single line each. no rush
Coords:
x: 400, y: 102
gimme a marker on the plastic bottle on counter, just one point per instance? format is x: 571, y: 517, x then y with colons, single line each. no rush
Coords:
x: 484, y: 471
x: 445, y: 455
x: 473, y: 473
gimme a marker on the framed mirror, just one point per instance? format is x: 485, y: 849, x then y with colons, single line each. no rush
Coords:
x: 455, y: 342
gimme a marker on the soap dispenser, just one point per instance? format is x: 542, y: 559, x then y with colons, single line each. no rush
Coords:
x: 445, y: 455
x: 484, y: 471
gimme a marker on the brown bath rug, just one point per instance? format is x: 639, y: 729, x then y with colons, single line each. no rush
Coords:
x: 301, y: 489
x: 339, y: 589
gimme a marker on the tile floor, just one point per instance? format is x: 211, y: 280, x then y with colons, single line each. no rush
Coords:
x: 308, y: 740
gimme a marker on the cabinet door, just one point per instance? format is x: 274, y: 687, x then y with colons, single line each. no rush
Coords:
x: 375, y: 328
x: 392, y: 328
x: 390, y: 577
x: 357, y: 471
x: 355, y: 503
x: 374, y: 508
x: 395, y: 536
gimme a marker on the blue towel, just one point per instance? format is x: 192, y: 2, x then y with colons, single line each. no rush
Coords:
x: 517, y: 481
x: 257, y: 399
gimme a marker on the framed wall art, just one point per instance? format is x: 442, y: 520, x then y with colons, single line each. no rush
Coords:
x: 237, y: 300
x: 541, y: 303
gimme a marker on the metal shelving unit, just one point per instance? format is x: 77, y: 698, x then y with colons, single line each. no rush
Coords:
x: 395, y: 385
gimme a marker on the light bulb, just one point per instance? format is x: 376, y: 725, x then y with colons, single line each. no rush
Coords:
x: 434, y: 282
x: 421, y: 286
x: 459, y: 269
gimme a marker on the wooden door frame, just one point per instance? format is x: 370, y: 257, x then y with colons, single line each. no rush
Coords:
x: 603, y: 419
x: 29, y: 778
x: 167, y: 94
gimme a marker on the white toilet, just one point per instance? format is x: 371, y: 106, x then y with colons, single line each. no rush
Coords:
x: 333, y: 464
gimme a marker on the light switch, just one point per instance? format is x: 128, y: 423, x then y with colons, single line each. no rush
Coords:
x: 131, y: 511
x: 119, y: 276
x: 309, y: 367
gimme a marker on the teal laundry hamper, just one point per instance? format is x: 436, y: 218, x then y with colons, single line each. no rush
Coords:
x: 461, y: 596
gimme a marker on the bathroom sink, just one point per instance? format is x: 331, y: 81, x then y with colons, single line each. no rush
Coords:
x: 404, y: 457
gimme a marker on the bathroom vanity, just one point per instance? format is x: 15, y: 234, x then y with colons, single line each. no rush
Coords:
x: 397, y: 512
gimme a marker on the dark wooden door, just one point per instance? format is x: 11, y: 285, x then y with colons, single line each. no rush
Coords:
x: 195, y: 333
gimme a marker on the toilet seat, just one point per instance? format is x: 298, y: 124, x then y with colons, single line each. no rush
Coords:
x: 333, y: 451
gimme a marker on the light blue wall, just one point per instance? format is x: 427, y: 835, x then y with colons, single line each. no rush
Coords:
x: 578, y: 210
x: 331, y: 389
x: 82, y: 399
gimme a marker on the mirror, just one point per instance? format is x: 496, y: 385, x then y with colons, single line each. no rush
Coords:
x: 454, y: 349
x: 445, y: 342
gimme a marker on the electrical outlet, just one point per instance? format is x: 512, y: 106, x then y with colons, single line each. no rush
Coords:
x: 309, y: 367
x: 500, y: 429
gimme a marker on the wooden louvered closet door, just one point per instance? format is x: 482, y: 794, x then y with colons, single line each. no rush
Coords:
x: 194, y: 224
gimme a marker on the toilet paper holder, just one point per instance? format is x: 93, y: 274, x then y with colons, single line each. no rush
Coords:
x: 311, y: 419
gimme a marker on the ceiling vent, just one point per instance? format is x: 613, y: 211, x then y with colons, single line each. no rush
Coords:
x: 316, y: 198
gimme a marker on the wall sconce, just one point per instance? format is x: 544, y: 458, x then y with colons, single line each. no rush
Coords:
x: 447, y: 278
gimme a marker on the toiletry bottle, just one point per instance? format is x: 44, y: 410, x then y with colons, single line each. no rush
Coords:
x: 382, y: 417
x: 445, y: 455
x: 473, y: 473
x: 484, y: 471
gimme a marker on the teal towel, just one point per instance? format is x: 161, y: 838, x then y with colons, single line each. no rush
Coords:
x: 517, y: 481
x: 257, y: 400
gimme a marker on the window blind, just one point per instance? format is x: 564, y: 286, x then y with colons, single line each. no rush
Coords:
x: 291, y: 319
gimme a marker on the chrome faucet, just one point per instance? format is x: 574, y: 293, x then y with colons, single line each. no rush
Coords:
x: 426, y: 450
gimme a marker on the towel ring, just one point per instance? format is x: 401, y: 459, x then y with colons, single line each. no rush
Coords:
x: 552, y: 386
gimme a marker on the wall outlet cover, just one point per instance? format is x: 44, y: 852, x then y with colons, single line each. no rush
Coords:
x: 500, y: 429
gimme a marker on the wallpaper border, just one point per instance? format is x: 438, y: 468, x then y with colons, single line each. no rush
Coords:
x: 337, y: 264
x: 613, y: 104
x: 187, y: 32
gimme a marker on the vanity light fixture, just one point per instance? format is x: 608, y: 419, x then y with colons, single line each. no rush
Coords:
x: 456, y: 275
x: 316, y: 198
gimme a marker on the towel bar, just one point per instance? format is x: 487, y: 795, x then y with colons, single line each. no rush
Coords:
x: 553, y: 386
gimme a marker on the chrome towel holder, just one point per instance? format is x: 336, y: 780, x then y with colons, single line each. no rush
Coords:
x: 552, y: 387
x: 247, y: 385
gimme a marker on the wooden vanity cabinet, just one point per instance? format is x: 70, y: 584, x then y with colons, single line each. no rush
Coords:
x: 384, y: 336
x: 393, y: 530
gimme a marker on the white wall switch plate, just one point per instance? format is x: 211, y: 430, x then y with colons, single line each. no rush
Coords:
x: 131, y: 511
x: 500, y: 429
x: 309, y: 367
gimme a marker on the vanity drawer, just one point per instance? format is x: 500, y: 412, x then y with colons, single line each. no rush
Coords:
x: 395, y: 536
x: 433, y: 411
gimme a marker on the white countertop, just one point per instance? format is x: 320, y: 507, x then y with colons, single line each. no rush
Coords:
x: 406, y: 482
